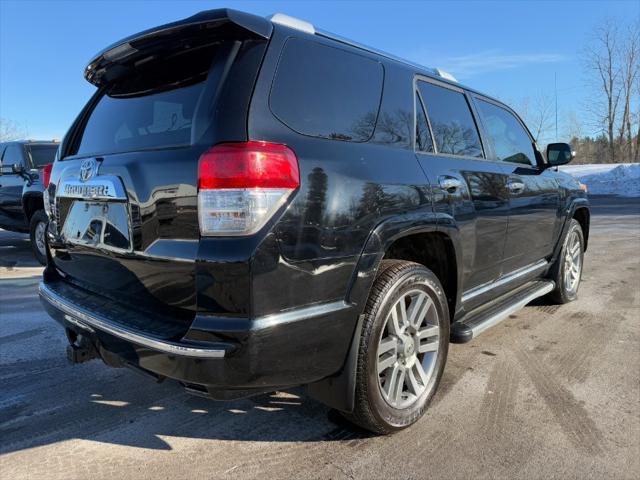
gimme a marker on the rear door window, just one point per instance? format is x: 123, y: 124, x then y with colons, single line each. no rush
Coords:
x: 327, y: 92
x: 453, y: 126
x: 510, y: 141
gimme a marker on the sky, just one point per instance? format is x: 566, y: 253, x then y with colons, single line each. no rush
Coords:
x: 513, y: 50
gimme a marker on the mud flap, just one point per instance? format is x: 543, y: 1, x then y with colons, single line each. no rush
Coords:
x: 338, y: 391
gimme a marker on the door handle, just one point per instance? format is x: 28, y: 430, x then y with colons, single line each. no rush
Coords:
x: 515, y: 185
x: 450, y: 184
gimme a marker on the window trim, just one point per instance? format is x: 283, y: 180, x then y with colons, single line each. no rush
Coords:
x: 422, y: 78
x: 479, y: 97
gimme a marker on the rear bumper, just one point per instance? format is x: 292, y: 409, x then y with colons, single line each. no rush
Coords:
x: 296, y: 347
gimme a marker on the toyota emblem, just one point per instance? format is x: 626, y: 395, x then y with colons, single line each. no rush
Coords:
x: 88, y: 169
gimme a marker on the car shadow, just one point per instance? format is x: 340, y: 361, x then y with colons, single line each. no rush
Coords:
x: 93, y: 402
x: 15, y: 250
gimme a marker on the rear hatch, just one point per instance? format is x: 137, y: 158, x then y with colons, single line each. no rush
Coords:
x: 125, y: 205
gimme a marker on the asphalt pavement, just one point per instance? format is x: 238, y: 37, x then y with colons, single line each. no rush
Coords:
x: 552, y: 392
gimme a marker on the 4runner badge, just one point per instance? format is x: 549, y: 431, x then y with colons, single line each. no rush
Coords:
x: 88, y: 169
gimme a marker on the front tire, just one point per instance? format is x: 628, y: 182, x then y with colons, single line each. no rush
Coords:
x: 37, y: 233
x: 566, y: 272
x: 403, y: 347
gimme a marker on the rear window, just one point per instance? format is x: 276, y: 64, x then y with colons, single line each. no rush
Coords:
x: 151, y: 107
x: 134, y: 123
x: 326, y: 92
x: 42, y: 155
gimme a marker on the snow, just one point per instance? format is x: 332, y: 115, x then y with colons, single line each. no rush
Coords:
x: 608, y: 178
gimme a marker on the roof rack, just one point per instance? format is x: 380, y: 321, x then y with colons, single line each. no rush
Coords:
x: 304, y: 26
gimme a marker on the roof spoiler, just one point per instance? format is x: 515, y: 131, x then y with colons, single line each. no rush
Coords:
x: 134, y: 48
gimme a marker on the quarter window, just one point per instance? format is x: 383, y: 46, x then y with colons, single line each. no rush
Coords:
x: 510, y: 141
x: 454, y: 130
x: 326, y: 92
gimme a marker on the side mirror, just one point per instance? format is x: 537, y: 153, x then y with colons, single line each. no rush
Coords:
x: 559, y: 154
x: 13, y: 169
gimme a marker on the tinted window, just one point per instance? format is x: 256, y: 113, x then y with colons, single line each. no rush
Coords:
x: 120, y: 124
x: 42, y: 155
x: 454, y: 129
x: 424, y: 143
x: 13, y: 154
x: 510, y: 141
x: 326, y: 92
x: 150, y: 105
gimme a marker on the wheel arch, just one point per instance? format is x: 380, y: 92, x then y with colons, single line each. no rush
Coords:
x: 394, y: 237
x: 580, y: 207
x: 31, y: 203
x: 583, y: 216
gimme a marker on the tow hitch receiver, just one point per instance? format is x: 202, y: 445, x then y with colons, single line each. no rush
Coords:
x: 80, y: 351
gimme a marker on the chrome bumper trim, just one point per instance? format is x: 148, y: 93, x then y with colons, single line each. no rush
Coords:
x: 298, y: 314
x: 83, y: 318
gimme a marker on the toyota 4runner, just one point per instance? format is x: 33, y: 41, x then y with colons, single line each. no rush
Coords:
x: 251, y: 204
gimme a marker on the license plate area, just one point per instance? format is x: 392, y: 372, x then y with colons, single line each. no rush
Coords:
x: 98, y: 225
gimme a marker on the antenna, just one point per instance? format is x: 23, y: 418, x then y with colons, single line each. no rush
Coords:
x: 555, y: 83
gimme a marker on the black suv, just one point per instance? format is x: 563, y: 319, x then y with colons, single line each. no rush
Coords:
x: 24, y: 167
x: 250, y: 204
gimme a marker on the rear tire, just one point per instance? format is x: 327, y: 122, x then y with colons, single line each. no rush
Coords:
x: 566, y: 272
x: 37, y: 233
x: 403, y: 347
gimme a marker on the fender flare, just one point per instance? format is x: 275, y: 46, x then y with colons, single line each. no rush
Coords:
x: 338, y: 391
x: 574, y: 204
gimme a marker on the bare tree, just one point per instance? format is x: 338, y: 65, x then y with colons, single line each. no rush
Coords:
x: 573, y: 127
x: 630, y: 71
x: 636, y: 157
x: 9, y: 130
x: 601, y: 58
x: 537, y: 114
x: 540, y: 117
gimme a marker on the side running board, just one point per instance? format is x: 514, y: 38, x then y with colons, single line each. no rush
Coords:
x: 476, y: 322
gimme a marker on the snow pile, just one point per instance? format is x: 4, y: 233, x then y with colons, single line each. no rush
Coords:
x: 608, y: 178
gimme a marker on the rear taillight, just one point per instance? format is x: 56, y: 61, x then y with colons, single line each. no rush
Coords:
x: 46, y: 178
x: 241, y: 186
x: 46, y: 174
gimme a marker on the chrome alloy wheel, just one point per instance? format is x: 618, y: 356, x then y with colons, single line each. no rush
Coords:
x: 408, y: 349
x: 572, y: 262
x: 41, y: 229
